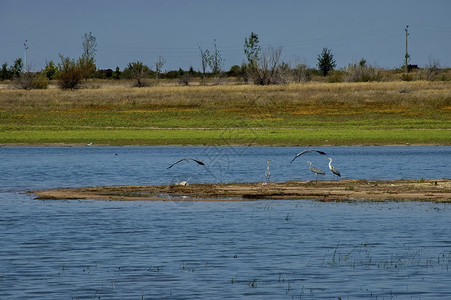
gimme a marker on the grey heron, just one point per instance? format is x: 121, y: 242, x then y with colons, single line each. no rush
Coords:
x: 307, y: 151
x: 267, y: 173
x: 315, y: 170
x: 333, y: 169
x: 186, y: 159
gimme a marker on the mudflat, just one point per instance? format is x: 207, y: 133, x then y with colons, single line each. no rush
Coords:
x: 435, y: 190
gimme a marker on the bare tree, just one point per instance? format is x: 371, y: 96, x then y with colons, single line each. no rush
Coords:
x: 299, y: 71
x: 205, y: 57
x: 87, y: 59
x: 215, y: 62
x: 89, y: 45
x: 431, y: 69
x: 267, y: 70
x: 159, y: 66
x: 24, y: 80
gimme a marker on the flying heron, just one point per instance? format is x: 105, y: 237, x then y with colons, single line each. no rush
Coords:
x: 333, y: 169
x: 315, y: 170
x: 267, y: 173
x: 186, y: 159
x: 306, y: 151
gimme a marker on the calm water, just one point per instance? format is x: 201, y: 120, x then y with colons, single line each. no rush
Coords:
x: 257, y: 249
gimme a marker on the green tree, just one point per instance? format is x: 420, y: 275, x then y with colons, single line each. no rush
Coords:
x: 69, y: 74
x: 50, y: 70
x: 117, y: 73
x: 87, y: 67
x: 17, y: 68
x: 252, y: 49
x: 5, y: 72
x: 326, y: 62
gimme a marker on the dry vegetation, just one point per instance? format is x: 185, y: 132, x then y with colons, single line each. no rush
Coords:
x: 376, y: 105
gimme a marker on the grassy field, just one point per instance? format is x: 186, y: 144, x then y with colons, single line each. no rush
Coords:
x: 378, y: 113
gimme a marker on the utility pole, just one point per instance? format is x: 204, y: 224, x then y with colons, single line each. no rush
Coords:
x: 407, y: 54
x: 25, y: 44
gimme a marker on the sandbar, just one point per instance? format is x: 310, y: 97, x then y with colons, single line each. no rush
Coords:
x: 434, y: 190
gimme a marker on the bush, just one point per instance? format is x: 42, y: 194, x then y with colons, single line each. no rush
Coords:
x: 69, y: 74
x: 24, y: 80
x: 431, y: 70
x: 301, y: 73
x: 362, y: 73
x: 40, y: 81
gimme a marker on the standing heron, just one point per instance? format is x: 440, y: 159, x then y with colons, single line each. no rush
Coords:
x: 267, y: 173
x: 315, y: 170
x: 186, y: 159
x: 307, y: 151
x: 333, y: 169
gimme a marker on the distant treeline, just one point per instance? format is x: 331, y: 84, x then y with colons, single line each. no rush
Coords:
x: 262, y: 67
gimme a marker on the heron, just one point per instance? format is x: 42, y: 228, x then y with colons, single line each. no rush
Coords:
x: 315, y: 170
x: 186, y: 159
x: 306, y: 151
x: 267, y: 173
x: 333, y: 169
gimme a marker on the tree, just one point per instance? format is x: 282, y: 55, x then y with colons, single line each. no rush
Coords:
x: 159, y: 66
x: 205, y: 57
x: 326, y: 62
x: 50, y: 70
x: 89, y: 45
x: 87, y: 59
x: 117, y: 73
x: 87, y: 67
x: 267, y: 69
x: 17, y: 68
x: 138, y: 71
x: 215, y: 62
x: 5, y: 72
x: 69, y: 74
x: 252, y: 48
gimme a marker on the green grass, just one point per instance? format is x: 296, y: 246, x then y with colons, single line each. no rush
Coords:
x: 238, y: 136
x: 314, y: 114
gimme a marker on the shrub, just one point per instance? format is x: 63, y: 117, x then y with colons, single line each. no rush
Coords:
x: 301, y: 73
x: 362, y: 73
x: 24, y: 80
x: 431, y: 70
x: 40, y: 81
x: 69, y: 74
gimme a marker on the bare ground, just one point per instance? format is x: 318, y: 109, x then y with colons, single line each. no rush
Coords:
x: 435, y: 190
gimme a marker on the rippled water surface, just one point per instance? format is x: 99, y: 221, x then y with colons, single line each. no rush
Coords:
x: 267, y: 249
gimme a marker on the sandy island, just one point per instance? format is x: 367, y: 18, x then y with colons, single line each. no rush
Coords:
x: 435, y: 190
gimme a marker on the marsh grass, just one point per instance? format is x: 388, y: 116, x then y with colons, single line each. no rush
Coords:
x: 398, y: 112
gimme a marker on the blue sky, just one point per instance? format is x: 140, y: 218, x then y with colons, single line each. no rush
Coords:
x: 141, y: 30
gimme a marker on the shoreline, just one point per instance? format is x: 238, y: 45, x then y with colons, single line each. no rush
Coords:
x: 43, y: 145
x: 432, y: 190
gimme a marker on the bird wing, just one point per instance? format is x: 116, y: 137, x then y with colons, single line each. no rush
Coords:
x: 176, y: 162
x: 198, y: 161
x: 306, y: 151
x: 334, y: 170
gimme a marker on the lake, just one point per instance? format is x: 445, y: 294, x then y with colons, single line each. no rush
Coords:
x: 296, y: 249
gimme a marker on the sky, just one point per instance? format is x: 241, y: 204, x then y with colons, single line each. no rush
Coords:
x: 139, y: 30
